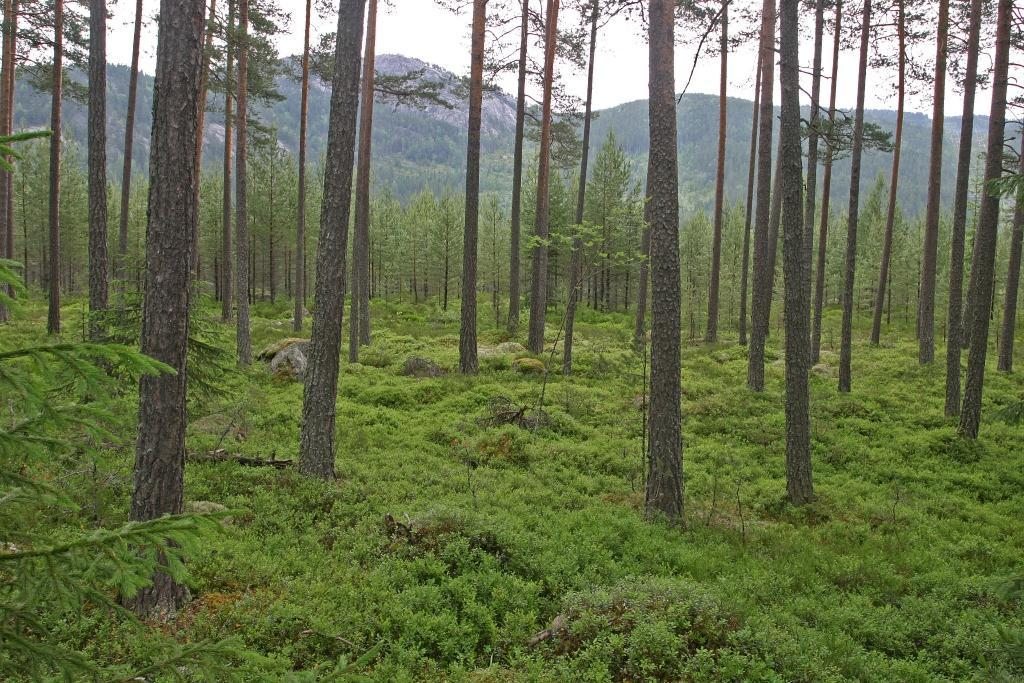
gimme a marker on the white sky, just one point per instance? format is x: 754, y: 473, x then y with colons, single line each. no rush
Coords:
x: 425, y: 31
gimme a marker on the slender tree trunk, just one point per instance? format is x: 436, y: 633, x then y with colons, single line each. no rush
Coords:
x: 576, y: 260
x: 359, y: 318
x: 203, y: 89
x: 846, y: 343
x: 797, y: 267
x: 271, y: 263
x: 761, y: 295
x: 242, y: 342
x: 9, y: 127
x: 227, y: 283
x: 6, y: 184
x: 639, y: 326
x: 826, y: 198
x: 539, y: 277
x: 812, y: 135
x: 129, y: 142
x: 514, y: 275
x: 1012, y: 277
x: 926, y: 306
x: 664, y: 494
x: 299, y: 290
x: 954, y: 316
x: 988, y: 231
x: 160, y: 449
x: 97, y: 142
x: 53, y: 315
x: 316, y: 446
x: 716, y: 240
x: 894, y: 176
x: 468, y: 364
x: 752, y: 166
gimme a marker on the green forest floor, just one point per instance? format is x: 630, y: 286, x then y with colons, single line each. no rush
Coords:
x: 450, y: 541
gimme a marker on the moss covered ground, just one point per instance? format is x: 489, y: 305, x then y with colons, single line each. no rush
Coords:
x: 454, y: 547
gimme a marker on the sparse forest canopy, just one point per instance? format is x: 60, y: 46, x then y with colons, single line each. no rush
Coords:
x: 641, y: 392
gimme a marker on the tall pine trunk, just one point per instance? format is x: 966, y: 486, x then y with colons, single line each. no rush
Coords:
x: 826, y: 198
x: 763, y: 271
x: 160, y: 449
x: 129, y: 143
x: 751, y: 174
x: 797, y: 268
x: 243, y: 344
x: 227, y: 280
x: 203, y: 89
x: 539, y: 276
x: 1012, y: 277
x: 716, y: 240
x: 514, y: 273
x: 6, y: 107
x: 954, y: 316
x: 468, y: 364
x: 846, y: 342
x: 576, y: 260
x: 97, y: 153
x: 813, y: 130
x: 298, y: 288
x: 926, y: 304
x: 664, y: 493
x: 894, y: 176
x: 987, y: 231
x: 53, y: 313
x: 316, y: 445
x: 359, y: 319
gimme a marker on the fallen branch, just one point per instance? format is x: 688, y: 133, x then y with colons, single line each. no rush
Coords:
x: 556, y: 627
x: 220, y: 455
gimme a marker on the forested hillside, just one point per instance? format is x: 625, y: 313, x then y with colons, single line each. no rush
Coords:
x: 414, y: 148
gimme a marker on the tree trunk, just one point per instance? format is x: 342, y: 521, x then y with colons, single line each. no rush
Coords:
x: 359, y: 318
x: 744, y: 286
x: 97, y: 142
x: 53, y: 314
x: 987, y: 231
x: 242, y: 342
x: 203, y: 88
x: 160, y: 449
x: 226, y: 289
x: 761, y: 295
x: 6, y: 182
x: 316, y: 447
x: 797, y: 267
x: 299, y: 290
x: 664, y: 493
x: 812, y: 135
x: 514, y: 276
x: 954, y: 316
x: 846, y: 343
x: 129, y: 142
x: 468, y: 364
x: 576, y: 259
x: 826, y: 197
x: 716, y: 240
x: 539, y: 276
x: 639, y: 326
x: 926, y: 305
x: 1012, y: 278
x: 890, y: 216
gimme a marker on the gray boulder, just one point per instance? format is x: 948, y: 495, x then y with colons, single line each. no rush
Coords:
x: 291, y: 362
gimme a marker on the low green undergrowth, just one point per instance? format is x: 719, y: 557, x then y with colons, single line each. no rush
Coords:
x: 463, y: 543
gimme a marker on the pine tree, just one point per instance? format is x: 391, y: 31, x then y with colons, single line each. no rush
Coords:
x: 316, y: 447
x: 664, y: 494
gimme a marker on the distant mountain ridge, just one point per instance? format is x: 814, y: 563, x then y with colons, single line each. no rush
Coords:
x: 414, y: 148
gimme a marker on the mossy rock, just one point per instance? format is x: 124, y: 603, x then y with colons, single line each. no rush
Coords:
x: 421, y: 367
x: 268, y: 353
x: 529, y: 366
